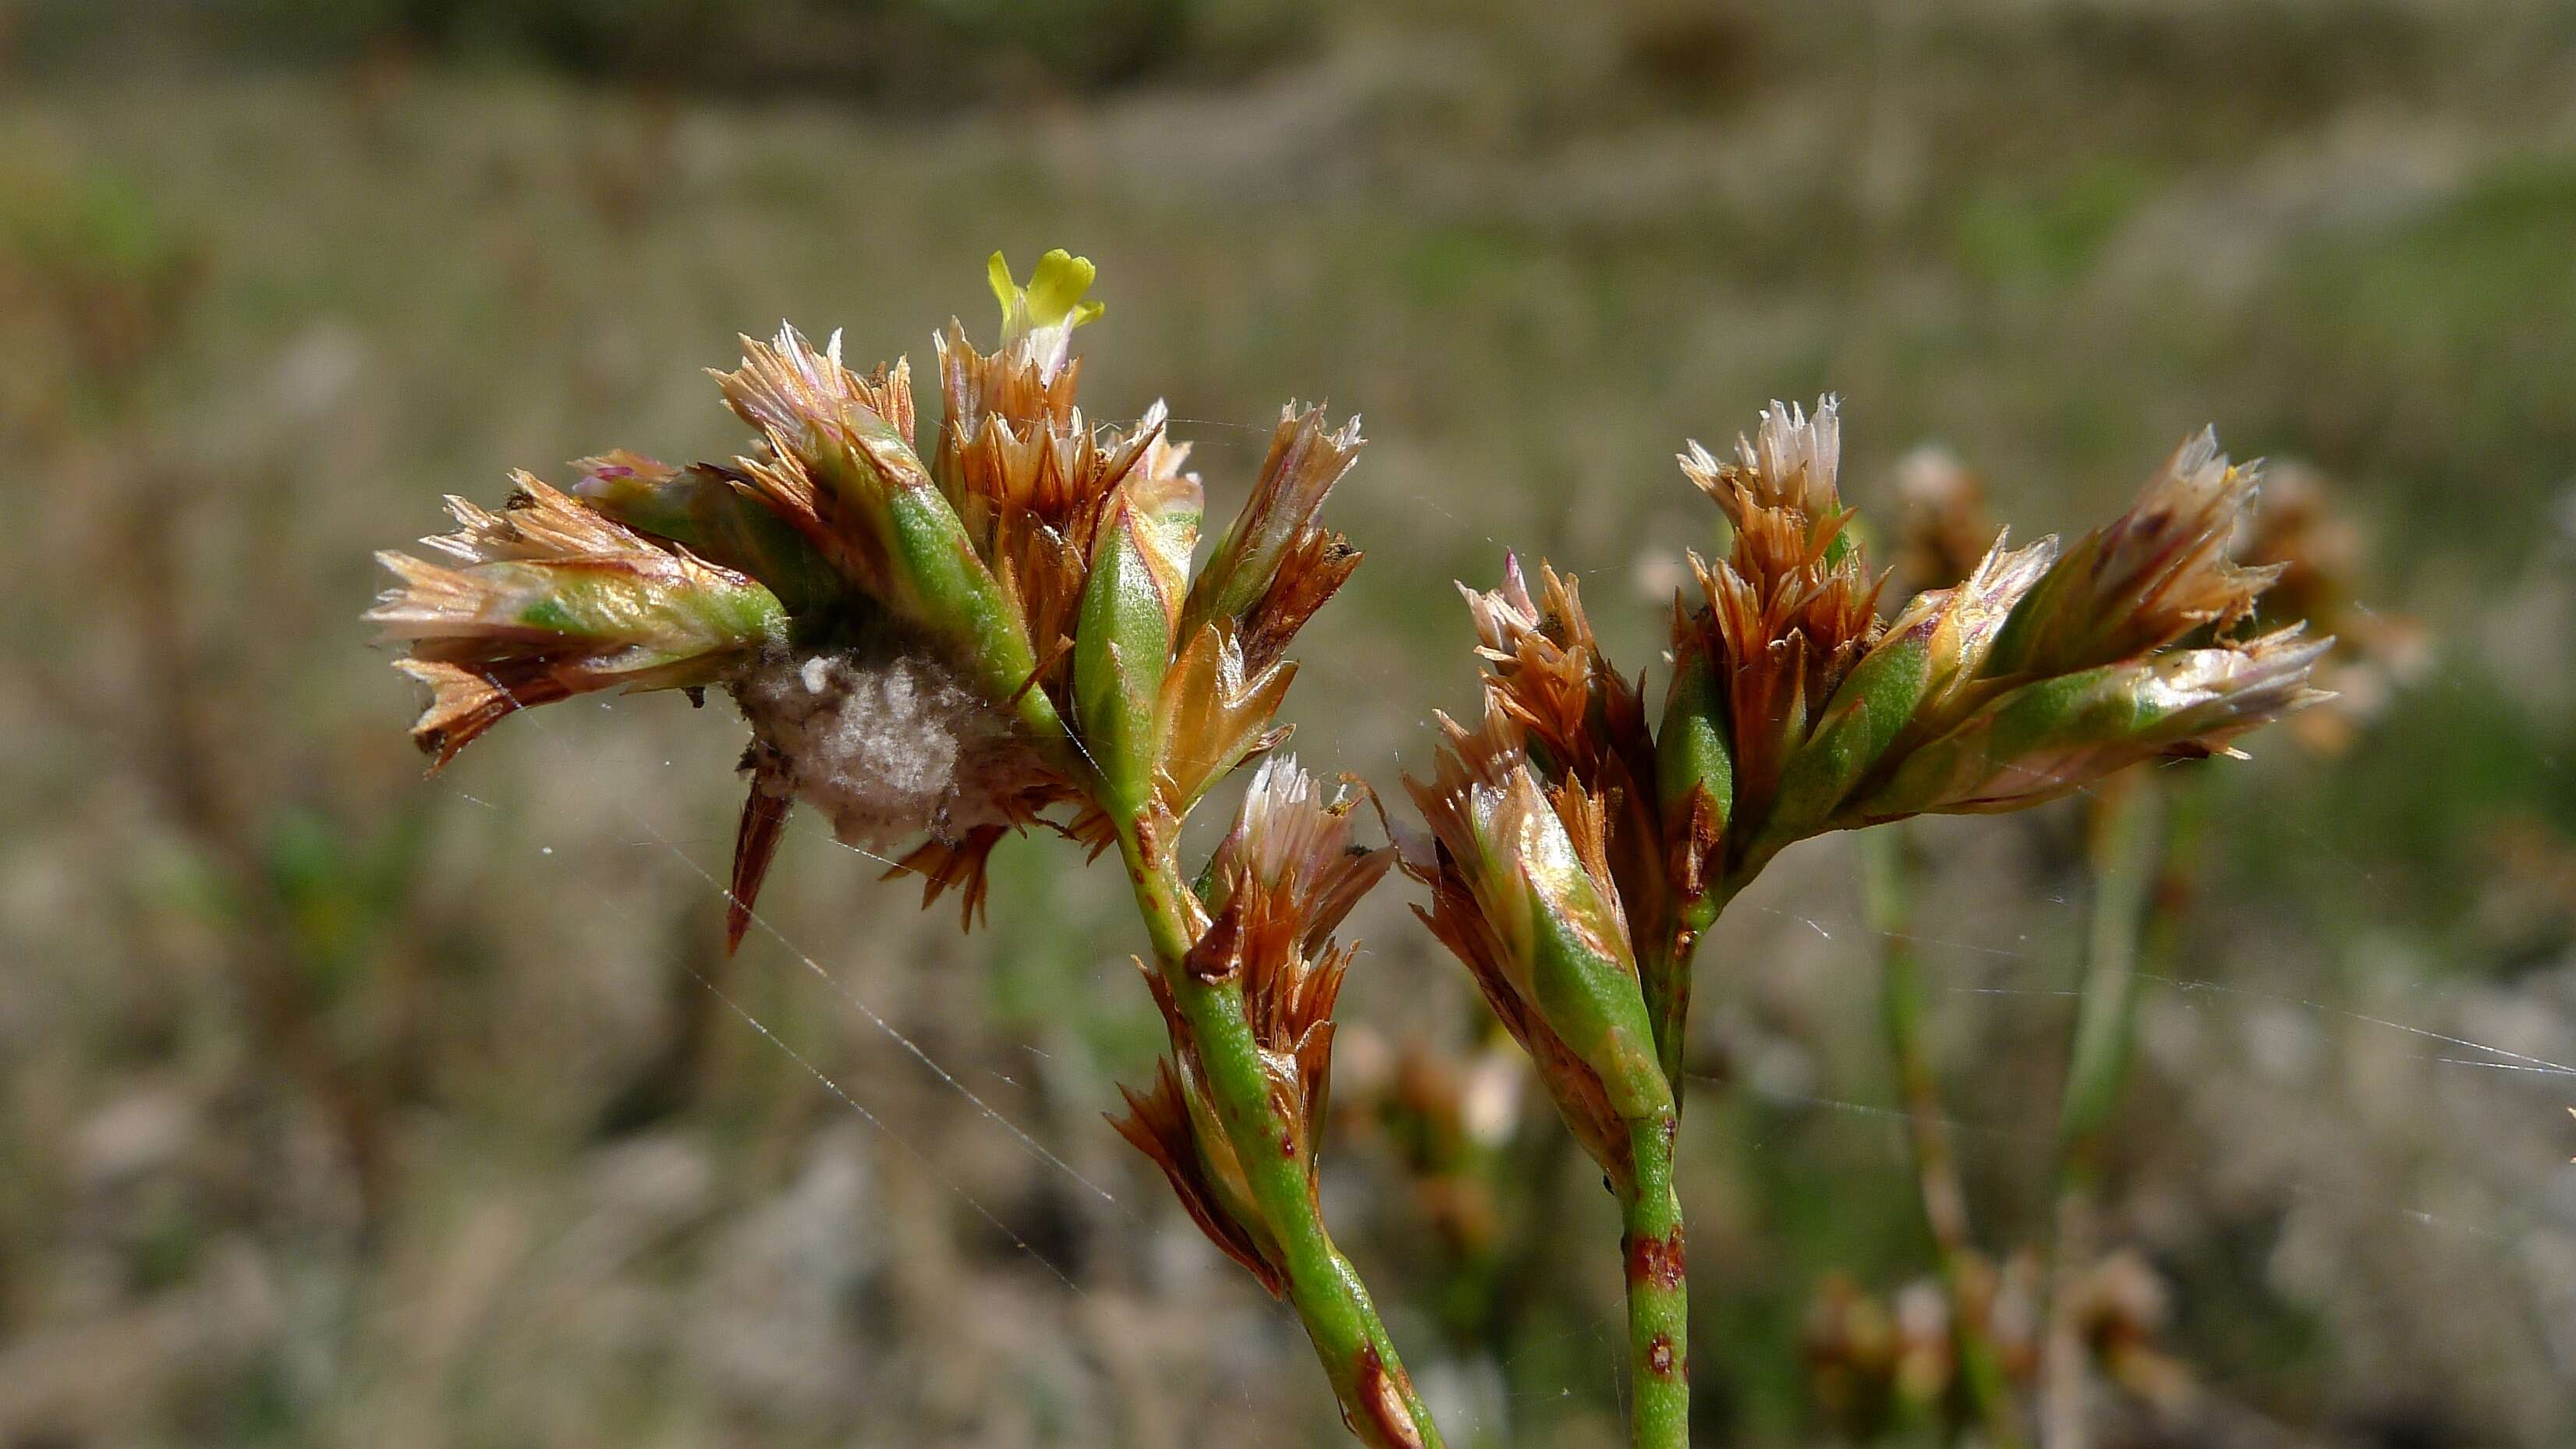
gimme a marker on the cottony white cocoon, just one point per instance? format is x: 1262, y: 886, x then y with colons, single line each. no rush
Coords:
x: 888, y: 745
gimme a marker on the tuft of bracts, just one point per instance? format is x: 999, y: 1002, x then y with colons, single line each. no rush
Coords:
x: 940, y: 637
x: 1576, y: 853
x: 937, y: 640
x: 1276, y: 890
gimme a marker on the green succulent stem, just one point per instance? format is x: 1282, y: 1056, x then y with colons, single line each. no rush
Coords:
x: 1377, y: 1398
x: 1695, y: 787
x: 1650, y: 1219
x: 1650, y: 1213
x: 1664, y: 969
x: 1886, y: 868
x: 2128, y: 861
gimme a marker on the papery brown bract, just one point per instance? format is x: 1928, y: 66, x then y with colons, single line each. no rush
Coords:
x: 1274, y: 566
x: 1583, y: 721
x: 1791, y: 608
x: 2144, y: 580
x: 1160, y: 1123
x: 837, y: 445
x: 1294, y: 847
x: 1214, y: 712
x: 763, y: 823
x: 1033, y: 497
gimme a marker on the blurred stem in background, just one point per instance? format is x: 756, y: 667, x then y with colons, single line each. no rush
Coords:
x: 2141, y: 862
x: 1886, y: 861
x: 282, y: 983
x: 105, y: 288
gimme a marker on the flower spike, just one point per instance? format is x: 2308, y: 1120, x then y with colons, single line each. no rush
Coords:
x: 2152, y: 575
x: 1584, y: 722
x: 1521, y: 892
x: 1130, y: 615
x: 1276, y: 889
x: 2053, y: 737
x: 1274, y: 567
x: 936, y: 653
x: 715, y: 513
x: 547, y: 599
x: 1793, y: 710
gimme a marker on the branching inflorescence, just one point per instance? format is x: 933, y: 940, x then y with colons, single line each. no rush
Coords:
x: 1793, y: 710
x: 944, y: 634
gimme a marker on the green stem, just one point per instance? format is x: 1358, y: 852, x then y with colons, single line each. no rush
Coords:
x: 1665, y: 977
x: 1888, y: 904
x: 1664, y: 972
x: 2125, y: 874
x: 1650, y: 1216
x: 1651, y: 1211
x: 1378, y: 1401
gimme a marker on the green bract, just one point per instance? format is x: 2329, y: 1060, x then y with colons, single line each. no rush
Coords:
x: 1123, y: 640
x: 712, y: 512
x: 2055, y: 736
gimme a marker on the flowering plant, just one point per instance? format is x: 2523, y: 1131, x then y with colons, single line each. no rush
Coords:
x: 941, y: 635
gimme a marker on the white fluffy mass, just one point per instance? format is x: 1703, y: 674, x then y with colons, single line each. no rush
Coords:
x: 888, y: 745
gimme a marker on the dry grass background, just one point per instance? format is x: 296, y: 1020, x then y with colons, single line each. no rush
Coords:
x: 339, y: 1108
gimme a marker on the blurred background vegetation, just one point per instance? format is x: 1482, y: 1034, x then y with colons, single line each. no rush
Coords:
x: 336, y: 1107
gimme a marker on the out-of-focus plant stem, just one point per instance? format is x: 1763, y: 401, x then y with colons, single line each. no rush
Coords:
x: 1887, y: 902
x: 184, y: 763
x: 1377, y: 1398
x: 2132, y: 856
x: 1650, y: 1215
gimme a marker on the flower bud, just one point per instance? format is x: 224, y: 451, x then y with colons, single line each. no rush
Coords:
x: 1279, y: 885
x: 1914, y: 683
x: 1130, y: 609
x: 550, y: 599
x: 1274, y: 567
x: 1694, y: 777
x: 2151, y: 576
x: 1174, y: 1124
x: 1582, y: 721
x: 713, y: 512
x: 1787, y: 614
x: 1522, y: 893
x: 2057, y: 735
x: 1290, y: 841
